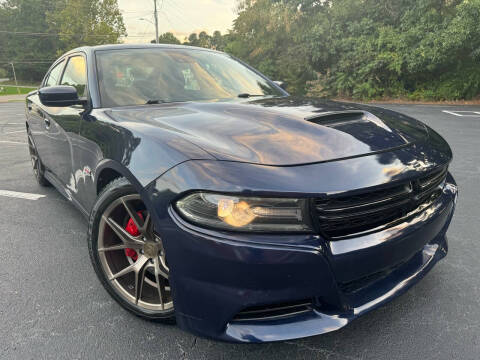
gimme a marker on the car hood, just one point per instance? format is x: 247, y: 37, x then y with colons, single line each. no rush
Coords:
x: 277, y: 131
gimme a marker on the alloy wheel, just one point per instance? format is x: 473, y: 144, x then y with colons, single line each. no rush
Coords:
x: 132, y: 255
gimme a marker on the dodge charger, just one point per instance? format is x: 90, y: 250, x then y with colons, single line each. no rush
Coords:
x: 217, y: 200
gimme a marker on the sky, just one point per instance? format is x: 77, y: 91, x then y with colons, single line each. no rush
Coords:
x: 181, y: 17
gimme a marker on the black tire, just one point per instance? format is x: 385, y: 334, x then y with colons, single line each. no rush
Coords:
x: 37, y: 165
x: 115, y: 190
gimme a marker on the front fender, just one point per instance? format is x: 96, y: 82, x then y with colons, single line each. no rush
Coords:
x: 145, y: 151
x: 133, y: 150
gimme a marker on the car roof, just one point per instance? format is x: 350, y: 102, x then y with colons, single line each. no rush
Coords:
x: 136, y: 46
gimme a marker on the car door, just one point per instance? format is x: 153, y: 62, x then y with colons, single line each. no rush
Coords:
x: 64, y: 124
x: 37, y: 113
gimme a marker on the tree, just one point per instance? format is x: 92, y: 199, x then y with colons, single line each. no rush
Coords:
x: 167, y: 38
x: 26, y: 16
x: 423, y: 49
x: 269, y: 34
x: 363, y: 49
x: 217, y: 42
x: 86, y: 22
x: 192, y: 39
x: 204, y: 40
x: 51, y: 27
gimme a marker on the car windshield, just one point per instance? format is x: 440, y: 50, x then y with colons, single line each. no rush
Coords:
x: 141, y: 76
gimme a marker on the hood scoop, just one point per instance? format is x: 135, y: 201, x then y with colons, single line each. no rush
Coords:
x: 354, y: 122
x: 337, y: 118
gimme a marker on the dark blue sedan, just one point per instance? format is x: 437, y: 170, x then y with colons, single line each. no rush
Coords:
x: 218, y: 200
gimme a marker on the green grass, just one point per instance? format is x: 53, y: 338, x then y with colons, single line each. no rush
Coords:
x: 12, y: 90
x: 19, y: 82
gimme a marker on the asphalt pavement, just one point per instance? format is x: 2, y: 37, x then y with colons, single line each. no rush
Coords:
x: 11, y: 98
x: 53, y: 306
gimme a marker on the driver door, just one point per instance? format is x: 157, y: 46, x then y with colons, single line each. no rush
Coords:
x: 38, y: 119
x: 65, y: 123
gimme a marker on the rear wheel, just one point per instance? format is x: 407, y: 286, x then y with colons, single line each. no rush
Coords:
x: 38, y: 168
x: 127, y: 253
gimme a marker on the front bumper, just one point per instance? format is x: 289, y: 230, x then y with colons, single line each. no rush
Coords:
x: 317, y: 322
x: 216, y: 275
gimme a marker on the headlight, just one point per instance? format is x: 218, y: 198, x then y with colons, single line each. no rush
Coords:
x: 245, y: 213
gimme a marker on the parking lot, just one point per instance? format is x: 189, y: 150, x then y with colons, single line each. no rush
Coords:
x: 53, y: 306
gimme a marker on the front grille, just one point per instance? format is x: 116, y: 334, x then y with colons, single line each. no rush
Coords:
x: 346, y: 215
x: 274, y: 311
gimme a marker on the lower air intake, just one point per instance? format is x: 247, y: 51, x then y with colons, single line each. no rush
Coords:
x: 269, y: 312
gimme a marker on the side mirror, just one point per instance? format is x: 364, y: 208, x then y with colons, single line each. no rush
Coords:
x: 59, y: 96
x: 282, y: 84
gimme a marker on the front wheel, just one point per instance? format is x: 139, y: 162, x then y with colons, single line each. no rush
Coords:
x: 127, y: 253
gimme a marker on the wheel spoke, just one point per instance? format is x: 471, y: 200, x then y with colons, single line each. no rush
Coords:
x: 146, y: 226
x: 116, y: 247
x: 139, y: 223
x: 162, y: 258
x: 143, y: 225
x: 139, y: 277
x: 158, y: 267
x: 125, y: 237
x: 135, y: 267
x: 158, y: 272
x: 125, y: 271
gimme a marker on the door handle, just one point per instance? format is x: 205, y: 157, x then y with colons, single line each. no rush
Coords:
x: 47, y: 123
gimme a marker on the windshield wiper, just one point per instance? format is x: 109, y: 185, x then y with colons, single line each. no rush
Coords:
x: 154, y: 101
x: 247, y: 95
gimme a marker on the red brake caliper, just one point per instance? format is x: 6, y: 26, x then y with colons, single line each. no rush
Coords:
x: 132, y: 230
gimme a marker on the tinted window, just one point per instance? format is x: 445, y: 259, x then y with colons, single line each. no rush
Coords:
x: 55, y: 75
x: 76, y: 74
x: 134, y: 76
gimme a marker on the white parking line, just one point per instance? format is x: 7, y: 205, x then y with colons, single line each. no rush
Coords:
x: 463, y: 113
x: 21, y: 195
x: 451, y: 113
x: 12, y: 142
x: 13, y: 132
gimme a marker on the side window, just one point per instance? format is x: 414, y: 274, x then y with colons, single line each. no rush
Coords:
x: 76, y: 74
x: 55, y: 74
